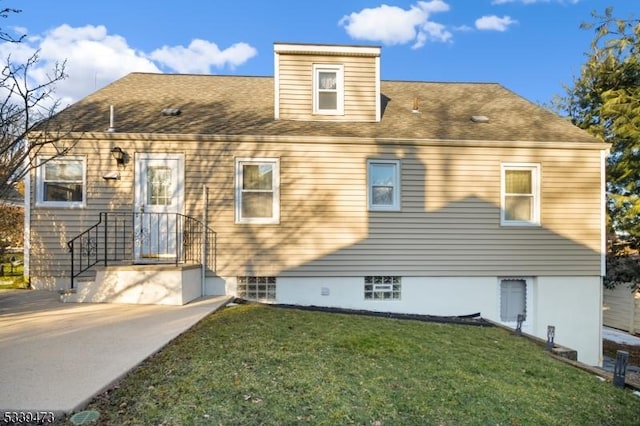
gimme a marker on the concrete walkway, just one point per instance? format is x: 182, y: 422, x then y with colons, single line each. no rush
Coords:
x: 56, y: 356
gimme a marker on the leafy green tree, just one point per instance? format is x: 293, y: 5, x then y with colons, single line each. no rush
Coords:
x: 605, y: 100
x: 622, y: 269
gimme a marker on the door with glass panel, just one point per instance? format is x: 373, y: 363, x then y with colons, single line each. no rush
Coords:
x: 159, y: 195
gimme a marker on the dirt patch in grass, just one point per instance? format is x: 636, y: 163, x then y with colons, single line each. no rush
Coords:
x: 610, y: 348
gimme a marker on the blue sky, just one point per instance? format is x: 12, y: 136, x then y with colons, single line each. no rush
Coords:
x: 532, y: 47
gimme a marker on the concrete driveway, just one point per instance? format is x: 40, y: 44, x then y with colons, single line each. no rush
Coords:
x: 56, y: 356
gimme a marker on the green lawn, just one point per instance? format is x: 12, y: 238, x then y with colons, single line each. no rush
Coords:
x: 253, y: 364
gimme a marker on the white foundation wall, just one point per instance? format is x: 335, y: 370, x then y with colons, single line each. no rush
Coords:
x: 216, y: 286
x: 420, y: 295
x: 572, y: 304
x: 49, y: 283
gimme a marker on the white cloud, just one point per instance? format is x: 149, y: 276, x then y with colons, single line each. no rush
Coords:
x: 201, y: 55
x: 95, y: 58
x: 463, y: 28
x: 494, y: 23
x: 393, y: 25
x: 431, y: 31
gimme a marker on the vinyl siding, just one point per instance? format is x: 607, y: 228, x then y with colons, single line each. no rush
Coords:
x: 51, y: 228
x: 296, y: 87
x: 449, y: 223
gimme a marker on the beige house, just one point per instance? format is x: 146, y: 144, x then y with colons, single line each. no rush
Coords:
x: 325, y: 185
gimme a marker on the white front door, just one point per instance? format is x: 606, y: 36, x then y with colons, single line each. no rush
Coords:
x: 159, y: 195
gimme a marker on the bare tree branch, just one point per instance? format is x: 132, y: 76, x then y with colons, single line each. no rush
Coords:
x: 26, y: 112
x: 4, y: 13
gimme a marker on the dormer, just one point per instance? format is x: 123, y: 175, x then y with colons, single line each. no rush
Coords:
x: 319, y: 82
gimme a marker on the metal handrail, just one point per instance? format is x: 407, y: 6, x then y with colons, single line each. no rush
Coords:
x: 161, y: 238
x: 85, y: 241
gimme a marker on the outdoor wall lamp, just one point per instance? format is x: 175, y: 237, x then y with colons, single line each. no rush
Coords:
x: 118, y: 154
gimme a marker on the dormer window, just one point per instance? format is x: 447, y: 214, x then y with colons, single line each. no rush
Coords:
x: 328, y: 89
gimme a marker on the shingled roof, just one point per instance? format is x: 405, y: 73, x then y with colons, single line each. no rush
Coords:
x: 234, y: 105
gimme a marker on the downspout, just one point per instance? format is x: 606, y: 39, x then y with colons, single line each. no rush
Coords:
x: 603, y: 242
x: 26, y: 235
x: 603, y: 212
x: 26, y: 231
x: 203, y: 272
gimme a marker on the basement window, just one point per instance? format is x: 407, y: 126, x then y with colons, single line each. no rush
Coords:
x: 513, y: 299
x: 256, y: 288
x: 385, y: 287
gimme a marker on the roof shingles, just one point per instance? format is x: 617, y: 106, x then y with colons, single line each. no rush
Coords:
x: 234, y: 105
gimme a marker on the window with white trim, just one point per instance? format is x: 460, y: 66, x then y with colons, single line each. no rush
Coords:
x: 382, y: 287
x: 520, y: 194
x: 257, y: 190
x: 383, y: 184
x: 61, y: 182
x: 328, y: 89
x: 513, y: 299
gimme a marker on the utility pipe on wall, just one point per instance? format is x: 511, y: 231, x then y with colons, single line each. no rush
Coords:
x: 205, y: 204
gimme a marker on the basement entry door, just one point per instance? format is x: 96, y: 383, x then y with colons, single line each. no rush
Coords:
x: 158, y: 206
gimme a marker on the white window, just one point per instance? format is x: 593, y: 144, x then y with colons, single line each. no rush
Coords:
x: 61, y: 182
x: 257, y: 190
x: 383, y: 182
x: 520, y: 194
x: 328, y: 89
x: 159, y: 185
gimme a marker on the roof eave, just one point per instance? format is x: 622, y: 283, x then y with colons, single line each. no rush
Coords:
x: 555, y: 144
x: 326, y: 49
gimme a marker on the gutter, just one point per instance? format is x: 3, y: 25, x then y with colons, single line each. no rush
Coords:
x: 346, y: 140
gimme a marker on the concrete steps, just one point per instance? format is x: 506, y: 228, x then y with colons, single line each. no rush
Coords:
x: 139, y: 284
